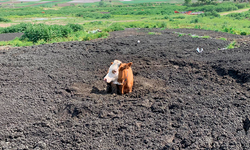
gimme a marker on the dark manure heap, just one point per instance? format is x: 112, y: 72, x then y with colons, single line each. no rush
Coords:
x: 53, y: 96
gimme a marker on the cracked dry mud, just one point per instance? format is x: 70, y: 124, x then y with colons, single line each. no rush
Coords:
x: 53, y: 96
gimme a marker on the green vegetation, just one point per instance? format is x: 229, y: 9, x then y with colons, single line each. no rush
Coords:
x: 231, y: 45
x: 4, y: 20
x: 223, y: 39
x: 77, y: 22
x: 205, y: 37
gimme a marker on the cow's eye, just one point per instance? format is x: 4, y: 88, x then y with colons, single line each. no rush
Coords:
x: 113, y: 71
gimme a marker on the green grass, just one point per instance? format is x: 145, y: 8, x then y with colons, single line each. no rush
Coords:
x: 150, y: 1
x: 224, y: 39
x: 205, y: 37
x: 132, y: 16
x: 231, y: 45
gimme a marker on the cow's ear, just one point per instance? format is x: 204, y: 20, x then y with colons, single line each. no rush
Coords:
x: 129, y: 64
x: 112, y: 63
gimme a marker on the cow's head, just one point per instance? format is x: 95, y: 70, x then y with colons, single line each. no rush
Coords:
x: 112, y: 74
x: 123, y: 72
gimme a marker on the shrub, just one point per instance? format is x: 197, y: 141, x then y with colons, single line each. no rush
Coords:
x: 243, y: 33
x: 46, y: 32
x: 166, y: 17
x: 4, y: 20
x: 96, y: 23
x: 213, y: 14
x: 171, y: 19
x: 231, y: 45
x: 114, y: 27
x: 106, y: 16
x: 196, y: 20
x: 224, y: 39
x: 241, y: 5
x: 179, y: 17
x: 75, y: 27
x: 161, y: 24
x: 16, y: 28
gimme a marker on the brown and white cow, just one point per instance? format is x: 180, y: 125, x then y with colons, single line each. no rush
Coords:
x: 125, y: 78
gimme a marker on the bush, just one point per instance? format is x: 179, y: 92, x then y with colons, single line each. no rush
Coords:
x: 179, y: 17
x: 239, y: 16
x: 16, y: 28
x: 241, y: 5
x: 96, y: 23
x: 106, y: 16
x: 211, y: 14
x: 114, y: 27
x: 75, y: 27
x: 4, y: 20
x: 162, y: 25
x: 38, y: 32
x: 196, y: 20
x: 166, y: 17
x: 243, y: 33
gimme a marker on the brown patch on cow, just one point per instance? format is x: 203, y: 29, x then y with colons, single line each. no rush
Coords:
x: 125, y: 78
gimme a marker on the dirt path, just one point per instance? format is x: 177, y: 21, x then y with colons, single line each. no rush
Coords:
x: 53, y: 96
x: 236, y: 11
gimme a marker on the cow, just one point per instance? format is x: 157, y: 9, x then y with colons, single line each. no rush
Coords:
x: 112, y: 76
x: 125, y: 78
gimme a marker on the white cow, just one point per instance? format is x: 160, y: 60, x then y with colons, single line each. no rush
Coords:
x: 112, y: 75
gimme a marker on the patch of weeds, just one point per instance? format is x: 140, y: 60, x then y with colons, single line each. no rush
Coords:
x: 195, y: 36
x: 171, y: 19
x: 231, y: 45
x: 166, y: 17
x: 205, y: 37
x: 151, y: 33
x: 181, y: 34
x: 223, y: 39
x: 154, y: 33
x: 162, y: 29
x: 196, y: 20
x: 243, y: 33
x: 197, y: 27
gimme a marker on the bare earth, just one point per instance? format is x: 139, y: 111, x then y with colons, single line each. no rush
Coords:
x: 53, y: 96
x: 236, y: 11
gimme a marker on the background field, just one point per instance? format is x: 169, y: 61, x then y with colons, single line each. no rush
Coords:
x: 50, y: 3
x: 46, y: 21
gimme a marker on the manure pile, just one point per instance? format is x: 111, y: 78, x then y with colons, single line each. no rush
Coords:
x: 53, y: 96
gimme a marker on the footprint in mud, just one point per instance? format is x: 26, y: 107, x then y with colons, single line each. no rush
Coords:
x: 144, y: 86
x: 84, y: 89
x: 246, y: 125
x: 79, y: 89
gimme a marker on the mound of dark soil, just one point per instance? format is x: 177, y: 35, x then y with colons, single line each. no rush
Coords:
x: 53, y: 96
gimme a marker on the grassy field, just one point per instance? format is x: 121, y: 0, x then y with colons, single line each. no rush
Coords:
x: 51, y: 3
x: 90, y: 18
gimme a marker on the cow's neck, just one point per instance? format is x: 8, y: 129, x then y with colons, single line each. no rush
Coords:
x: 126, y: 76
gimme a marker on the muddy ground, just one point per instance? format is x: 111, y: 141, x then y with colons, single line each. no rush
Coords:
x: 53, y: 96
